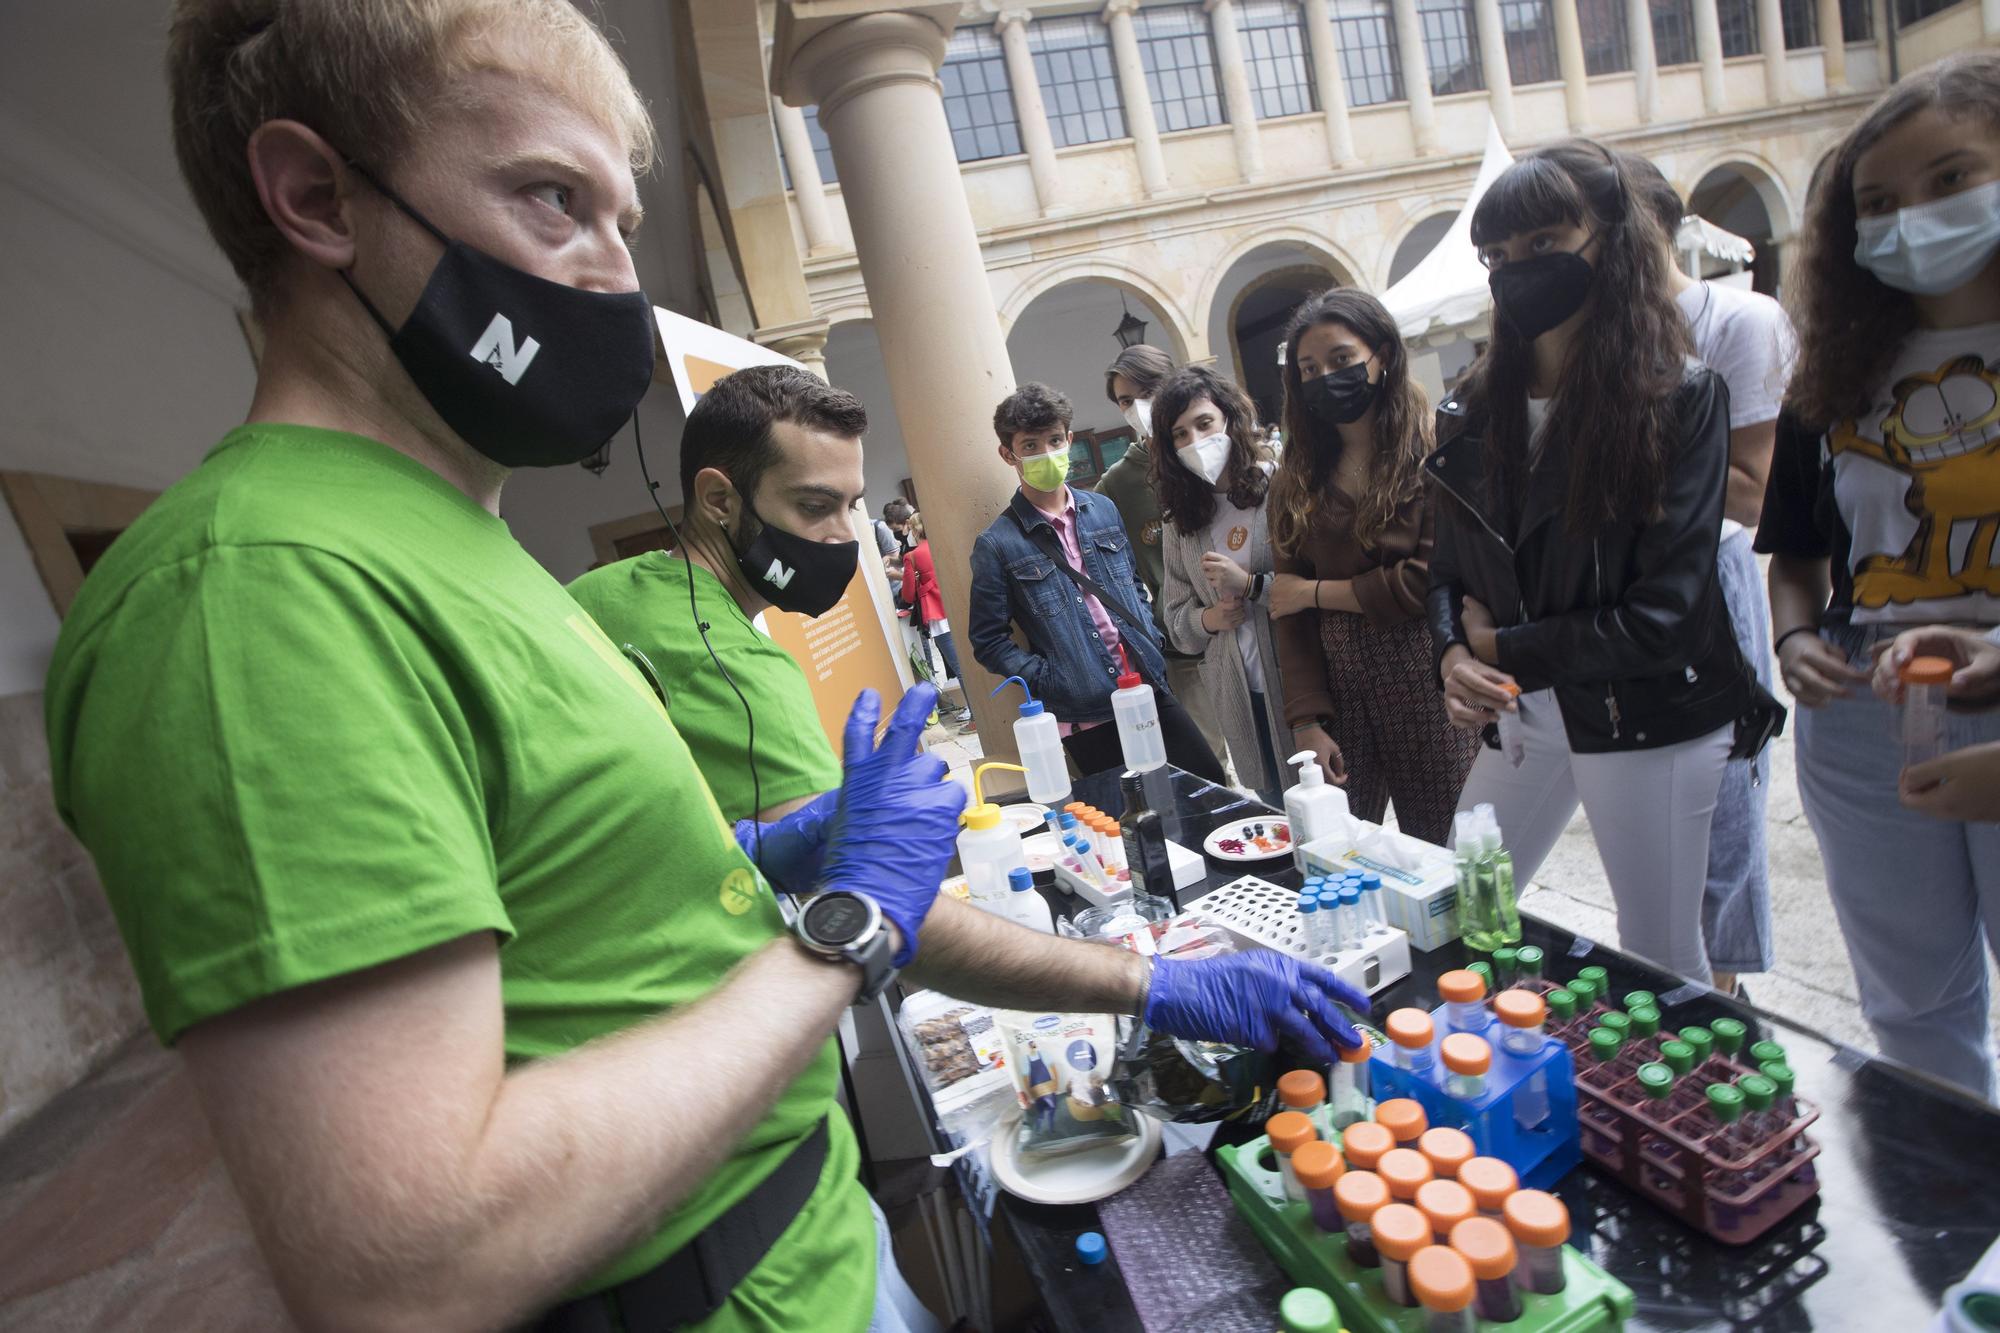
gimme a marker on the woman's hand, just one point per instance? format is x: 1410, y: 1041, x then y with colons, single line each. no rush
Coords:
x: 1977, y: 659
x: 1291, y: 594
x: 1228, y: 578
x: 1224, y: 615
x: 1481, y: 634
x: 1815, y: 671
x: 1325, y: 749
x: 1474, y: 692
x: 1962, y: 785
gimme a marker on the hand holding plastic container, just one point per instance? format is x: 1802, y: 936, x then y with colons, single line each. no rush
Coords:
x: 1925, y: 680
x: 1137, y: 715
x: 1039, y: 740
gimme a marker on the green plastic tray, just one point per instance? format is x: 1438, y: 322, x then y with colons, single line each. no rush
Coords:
x: 1591, y: 1299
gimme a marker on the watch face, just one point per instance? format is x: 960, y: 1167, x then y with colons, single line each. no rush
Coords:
x: 836, y: 919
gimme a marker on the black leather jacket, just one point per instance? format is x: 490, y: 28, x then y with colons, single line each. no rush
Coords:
x: 1629, y: 627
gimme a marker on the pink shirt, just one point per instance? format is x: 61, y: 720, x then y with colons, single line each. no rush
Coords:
x: 1107, y: 630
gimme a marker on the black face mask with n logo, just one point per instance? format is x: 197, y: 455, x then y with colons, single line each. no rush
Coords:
x: 794, y: 574
x: 529, y: 372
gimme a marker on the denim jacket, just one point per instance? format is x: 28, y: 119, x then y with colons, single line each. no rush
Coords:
x: 1016, y: 584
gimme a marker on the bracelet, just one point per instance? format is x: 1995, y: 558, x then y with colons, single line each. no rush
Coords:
x: 1257, y: 587
x: 1316, y: 587
x: 1796, y: 629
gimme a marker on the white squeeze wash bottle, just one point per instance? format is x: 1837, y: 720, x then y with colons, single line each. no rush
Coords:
x: 1314, y: 808
x: 988, y: 848
x: 1039, y: 740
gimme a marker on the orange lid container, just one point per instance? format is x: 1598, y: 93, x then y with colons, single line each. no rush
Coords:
x: 1302, y: 1089
x: 1441, y: 1279
x: 1461, y: 987
x: 1491, y: 1181
x: 1403, y: 1117
x: 1519, y: 1008
x: 1290, y: 1131
x: 1317, y: 1165
x: 1400, y: 1231
x: 1927, y: 671
x: 1075, y: 808
x: 1354, y: 1055
x: 1359, y: 1194
x: 1404, y: 1171
x: 1409, y: 1027
x: 1466, y: 1054
x: 1537, y: 1218
x: 1447, y: 1203
x: 1365, y: 1143
x: 1486, y: 1246
x: 1448, y: 1150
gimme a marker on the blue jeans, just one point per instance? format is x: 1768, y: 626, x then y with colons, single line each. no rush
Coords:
x: 1736, y: 904
x: 948, y: 651
x: 897, y: 1309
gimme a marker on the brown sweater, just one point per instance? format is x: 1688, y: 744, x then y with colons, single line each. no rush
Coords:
x: 1391, y: 579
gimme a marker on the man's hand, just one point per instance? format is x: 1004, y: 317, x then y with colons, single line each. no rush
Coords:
x: 1976, y: 681
x: 1253, y: 999
x: 1815, y: 671
x: 1224, y: 615
x: 1962, y: 785
x: 1481, y: 634
x: 1291, y: 594
x: 895, y: 830
x: 1229, y: 579
x: 1474, y: 693
x: 1325, y: 749
x: 789, y: 850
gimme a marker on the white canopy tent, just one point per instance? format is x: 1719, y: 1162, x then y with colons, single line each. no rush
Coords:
x: 1447, y: 289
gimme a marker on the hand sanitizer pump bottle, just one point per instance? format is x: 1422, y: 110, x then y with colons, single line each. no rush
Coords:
x: 1313, y: 806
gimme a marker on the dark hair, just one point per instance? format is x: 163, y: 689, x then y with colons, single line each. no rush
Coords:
x: 1849, y: 322
x: 1187, y: 500
x: 1402, y: 426
x: 730, y: 426
x: 1655, y: 192
x: 1032, y: 407
x: 1145, y: 365
x: 1613, y: 424
x: 896, y: 511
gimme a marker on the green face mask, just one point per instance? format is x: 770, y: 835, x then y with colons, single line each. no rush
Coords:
x: 1045, y: 472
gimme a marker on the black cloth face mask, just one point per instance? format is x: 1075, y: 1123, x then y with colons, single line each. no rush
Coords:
x: 794, y: 574
x: 1340, y: 398
x: 1534, y: 295
x: 530, y: 373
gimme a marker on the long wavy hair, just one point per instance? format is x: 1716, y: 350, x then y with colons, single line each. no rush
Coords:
x: 1850, y: 323
x: 1613, y: 417
x: 1403, y: 428
x: 1185, y: 498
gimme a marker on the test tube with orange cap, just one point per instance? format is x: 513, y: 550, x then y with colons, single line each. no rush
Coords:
x: 1441, y: 1281
x: 1447, y: 1149
x: 1349, y: 1094
x: 1289, y: 1131
x: 1404, y: 1118
x: 1491, y: 1181
x: 1302, y: 1090
x: 1539, y: 1224
x: 1411, y: 1032
x: 1488, y: 1248
x: 1466, y: 1060
x: 1318, y: 1167
x: 1400, y: 1231
x: 1365, y: 1143
x: 1925, y: 680
x: 1522, y: 1014
x: 1464, y: 994
x: 1404, y: 1171
x: 1358, y: 1195
x: 1445, y: 1203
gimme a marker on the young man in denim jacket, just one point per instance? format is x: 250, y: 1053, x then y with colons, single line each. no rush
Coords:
x: 1076, y: 646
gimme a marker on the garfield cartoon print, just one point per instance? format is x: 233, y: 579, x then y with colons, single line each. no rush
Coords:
x: 1919, y: 486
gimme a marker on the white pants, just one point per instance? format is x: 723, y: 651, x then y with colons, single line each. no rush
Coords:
x: 1650, y: 811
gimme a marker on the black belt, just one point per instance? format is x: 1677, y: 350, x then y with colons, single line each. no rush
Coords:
x: 692, y: 1283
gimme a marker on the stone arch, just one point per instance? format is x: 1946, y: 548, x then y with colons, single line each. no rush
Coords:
x: 1342, y: 266
x: 1111, y: 272
x: 1416, y: 216
x: 1764, y: 179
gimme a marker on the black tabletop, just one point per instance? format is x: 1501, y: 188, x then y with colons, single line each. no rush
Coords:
x: 1910, y: 1172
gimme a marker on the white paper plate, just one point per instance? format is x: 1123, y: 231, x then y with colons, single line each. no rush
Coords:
x: 1026, y: 817
x: 1243, y: 833
x: 1084, y: 1176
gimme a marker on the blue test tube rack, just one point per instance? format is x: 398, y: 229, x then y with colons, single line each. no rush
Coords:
x: 1540, y: 1155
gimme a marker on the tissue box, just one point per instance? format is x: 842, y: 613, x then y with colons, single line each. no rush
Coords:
x: 1419, y: 883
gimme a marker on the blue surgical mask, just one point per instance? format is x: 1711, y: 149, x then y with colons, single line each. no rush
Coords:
x: 1933, y: 248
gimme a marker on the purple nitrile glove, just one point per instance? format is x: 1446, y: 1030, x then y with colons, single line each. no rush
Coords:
x: 1253, y: 999
x: 789, y: 850
x: 896, y: 827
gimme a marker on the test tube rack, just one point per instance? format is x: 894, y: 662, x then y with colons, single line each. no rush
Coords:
x: 1695, y: 1181
x: 1541, y: 1154
x: 1259, y: 912
x: 1591, y: 1299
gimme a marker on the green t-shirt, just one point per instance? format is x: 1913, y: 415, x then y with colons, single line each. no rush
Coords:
x: 317, y: 710
x: 644, y: 602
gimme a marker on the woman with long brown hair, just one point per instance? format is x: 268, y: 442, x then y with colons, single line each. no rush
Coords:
x: 1351, y: 534
x: 1213, y: 473
x: 1574, y: 594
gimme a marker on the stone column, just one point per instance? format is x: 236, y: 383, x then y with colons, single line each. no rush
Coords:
x: 808, y: 190
x: 1771, y: 35
x: 1833, y: 47
x: 804, y: 342
x: 1492, y: 34
x: 1137, y: 98
x: 1331, y: 88
x: 1236, y: 88
x: 875, y: 80
x: 1989, y: 18
x: 1708, y: 45
x: 1885, y: 45
x: 1645, y: 57
x: 1012, y: 26
x: 1416, y: 74
x: 1569, y: 58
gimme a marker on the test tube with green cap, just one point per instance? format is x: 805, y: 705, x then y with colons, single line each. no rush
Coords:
x: 1725, y: 1109
x: 1618, y: 1021
x: 1485, y: 972
x: 1759, y: 1093
x: 1505, y: 964
x: 1308, y: 1310
x: 1528, y: 960
x: 1604, y: 1044
x: 1729, y: 1035
x: 1597, y: 977
x: 1703, y: 1042
x: 1678, y: 1056
x: 1562, y: 1011
x: 1781, y: 1075
x: 1767, y: 1053
x: 1586, y: 993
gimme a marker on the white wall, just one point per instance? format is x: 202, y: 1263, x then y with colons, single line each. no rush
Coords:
x: 27, y: 620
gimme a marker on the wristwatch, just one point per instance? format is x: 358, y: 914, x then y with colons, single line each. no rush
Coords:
x: 848, y: 927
